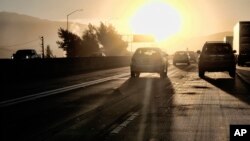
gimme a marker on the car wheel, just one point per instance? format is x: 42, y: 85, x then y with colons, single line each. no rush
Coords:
x: 232, y: 73
x: 163, y: 74
x: 201, y: 74
x: 240, y: 62
x: 137, y: 74
x: 132, y: 73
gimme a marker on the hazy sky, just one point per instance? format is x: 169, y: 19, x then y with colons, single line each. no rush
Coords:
x: 177, y: 22
x: 199, y: 17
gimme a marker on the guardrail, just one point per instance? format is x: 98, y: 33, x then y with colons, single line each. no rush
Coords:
x: 57, y: 67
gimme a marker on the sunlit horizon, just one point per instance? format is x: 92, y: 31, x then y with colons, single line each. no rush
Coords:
x: 156, y: 18
x: 176, y: 25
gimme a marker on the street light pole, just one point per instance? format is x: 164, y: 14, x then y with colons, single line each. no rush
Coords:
x: 69, y: 15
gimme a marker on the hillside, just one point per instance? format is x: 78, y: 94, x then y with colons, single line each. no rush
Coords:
x: 22, y: 31
x: 17, y: 29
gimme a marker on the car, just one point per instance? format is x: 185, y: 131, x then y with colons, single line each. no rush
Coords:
x: 193, y: 56
x: 216, y: 57
x: 181, y: 57
x: 149, y: 59
x: 25, y: 54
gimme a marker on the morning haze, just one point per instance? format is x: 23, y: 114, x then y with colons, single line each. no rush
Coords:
x: 197, y: 18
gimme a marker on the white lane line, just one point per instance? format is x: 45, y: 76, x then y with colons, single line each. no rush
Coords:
x: 59, y: 90
x: 124, y: 124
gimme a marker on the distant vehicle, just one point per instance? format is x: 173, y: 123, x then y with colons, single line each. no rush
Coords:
x: 241, y: 41
x: 216, y: 57
x: 98, y: 54
x: 149, y: 60
x: 181, y: 57
x: 192, y: 57
x: 25, y: 54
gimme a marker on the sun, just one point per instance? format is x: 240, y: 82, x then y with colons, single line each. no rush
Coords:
x: 157, y: 19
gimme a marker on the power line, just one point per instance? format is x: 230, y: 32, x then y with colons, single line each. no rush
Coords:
x: 19, y: 44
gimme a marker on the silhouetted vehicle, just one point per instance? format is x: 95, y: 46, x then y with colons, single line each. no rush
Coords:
x: 192, y: 57
x: 216, y: 57
x: 98, y: 54
x: 241, y: 41
x: 181, y: 57
x: 25, y: 54
x: 149, y: 60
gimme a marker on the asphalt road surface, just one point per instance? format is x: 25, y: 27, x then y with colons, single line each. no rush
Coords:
x: 109, y: 105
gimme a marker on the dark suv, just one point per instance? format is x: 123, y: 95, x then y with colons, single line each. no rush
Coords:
x: 216, y: 57
x: 25, y: 54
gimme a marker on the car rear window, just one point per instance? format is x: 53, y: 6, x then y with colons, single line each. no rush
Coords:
x: 181, y: 54
x: 25, y: 52
x: 217, y: 49
x: 147, y: 52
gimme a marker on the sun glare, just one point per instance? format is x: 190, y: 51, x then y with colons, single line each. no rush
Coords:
x: 157, y: 19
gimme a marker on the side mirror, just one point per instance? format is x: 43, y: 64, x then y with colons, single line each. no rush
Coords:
x: 198, y: 52
x: 234, y: 51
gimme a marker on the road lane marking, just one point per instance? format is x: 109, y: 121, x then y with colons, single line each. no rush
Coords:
x: 59, y: 90
x: 124, y: 124
x: 65, y: 89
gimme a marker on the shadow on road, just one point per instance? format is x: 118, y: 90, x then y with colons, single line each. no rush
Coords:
x: 187, y: 68
x: 235, y: 87
x: 155, y: 115
x: 52, y: 118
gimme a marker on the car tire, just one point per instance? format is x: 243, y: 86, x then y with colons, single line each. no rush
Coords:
x: 241, y: 62
x: 163, y: 74
x: 137, y: 74
x: 132, y: 74
x: 232, y: 73
x: 201, y: 74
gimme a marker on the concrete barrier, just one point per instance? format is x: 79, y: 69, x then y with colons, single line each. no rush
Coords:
x: 57, y: 67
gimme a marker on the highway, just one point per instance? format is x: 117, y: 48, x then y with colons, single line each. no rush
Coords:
x: 108, y: 105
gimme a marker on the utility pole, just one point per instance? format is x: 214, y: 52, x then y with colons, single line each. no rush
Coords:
x: 42, y: 44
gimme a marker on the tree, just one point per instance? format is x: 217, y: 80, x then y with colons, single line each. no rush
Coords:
x: 104, y: 35
x: 90, y: 43
x: 71, y: 43
x: 49, y: 53
x: 111, y: 41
